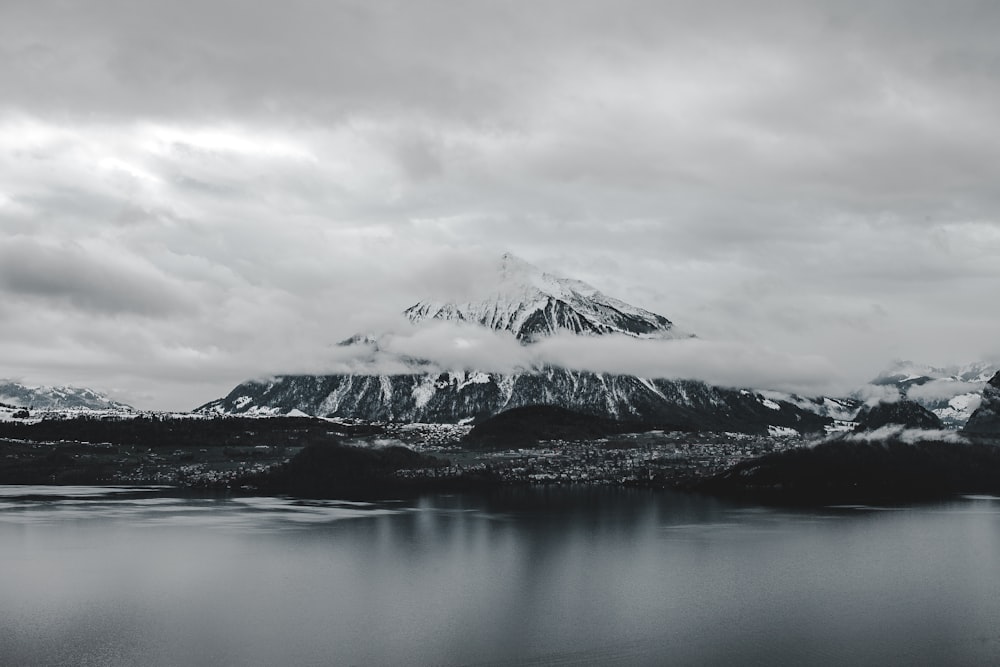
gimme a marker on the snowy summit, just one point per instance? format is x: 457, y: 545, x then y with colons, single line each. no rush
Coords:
x: 531, y: 303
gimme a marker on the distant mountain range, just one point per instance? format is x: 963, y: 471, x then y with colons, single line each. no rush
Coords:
x: 46, y: 398
x: 952, y: 393
x: 905, y: 374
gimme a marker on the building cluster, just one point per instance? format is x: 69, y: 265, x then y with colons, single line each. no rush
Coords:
x: 655, y: 459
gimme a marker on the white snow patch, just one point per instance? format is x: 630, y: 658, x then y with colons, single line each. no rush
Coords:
x: 423, y: 392
x: 648, y: 384
x: 262, y: 411
x: 968, y: 403
x: 840, y: 426
x: 959, y: 408
x: 475, y: 377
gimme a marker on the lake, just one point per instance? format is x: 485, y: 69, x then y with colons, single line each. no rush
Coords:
x: 546, y: 576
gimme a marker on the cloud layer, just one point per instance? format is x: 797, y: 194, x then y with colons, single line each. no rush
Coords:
x: 439, y: 345
x: 194, y: 193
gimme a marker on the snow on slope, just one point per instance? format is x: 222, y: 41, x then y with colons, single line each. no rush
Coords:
x: 531, y: 303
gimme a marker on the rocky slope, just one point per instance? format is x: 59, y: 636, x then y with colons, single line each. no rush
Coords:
x: 899, y: 413
x: 986, y: 419
x: 462, y: 396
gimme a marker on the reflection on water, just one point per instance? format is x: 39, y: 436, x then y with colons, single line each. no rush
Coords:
x: 123, y: 576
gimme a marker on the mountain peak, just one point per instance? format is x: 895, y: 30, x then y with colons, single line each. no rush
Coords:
x: 531, y: 303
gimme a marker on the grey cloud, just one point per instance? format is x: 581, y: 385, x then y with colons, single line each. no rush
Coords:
x: 452, y: 346
x: 909, y: 436
x: 942, y: 390
x: 89, y: 279
x: 477, y: 62
x: 873, y: 394
x: 722, y: 363
x: 323, y: 60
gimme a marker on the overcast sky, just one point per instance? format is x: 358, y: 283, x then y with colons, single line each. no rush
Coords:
x: 194, y: 193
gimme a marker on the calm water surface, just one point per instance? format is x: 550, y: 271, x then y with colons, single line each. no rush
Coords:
x: 109, y: 576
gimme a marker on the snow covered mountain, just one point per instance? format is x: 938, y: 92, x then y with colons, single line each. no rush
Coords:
x: 463, y: 396
x: 16, y: 394
x: 530, y: 303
